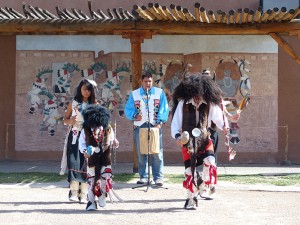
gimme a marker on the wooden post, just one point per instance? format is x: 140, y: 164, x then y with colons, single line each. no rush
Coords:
x: 136, y: 40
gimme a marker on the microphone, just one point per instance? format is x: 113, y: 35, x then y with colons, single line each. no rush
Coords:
x: 147, y: 92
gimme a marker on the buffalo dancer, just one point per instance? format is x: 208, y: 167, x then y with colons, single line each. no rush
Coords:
x: 95, y: 143
x: 196, y: 105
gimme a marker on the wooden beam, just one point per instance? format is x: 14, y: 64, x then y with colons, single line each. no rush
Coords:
x: 231, y: 16
x: 282, y: 43
x: 245, y: 15
x: 273, y: 14
x: 217, y: 29
x: 238, y: 15
x: 211, y: 16
x: 289, y: 15
x: 296, y: 13
x: 203, y: 15
x: 197, y: 11
x: 281, y: 13
x: 219, y: 16
x: 142, y: 13
x: 190, y: 17
x: 265, y: 16
x: 159, y: 27
x: 147, y: 11
x: 169, y: 14
x: 174, y: 12
x: 224, y: 17
x: 180, y: 13
x: 295, y: 33
x: 154, y: 11
x: 161, y: 11
x: 257, y: 14
x: 250, y: 16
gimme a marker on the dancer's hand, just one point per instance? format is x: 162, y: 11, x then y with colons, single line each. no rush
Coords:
x: 235, y: 117
x: 210, y: 160
x: 157, y: 125
x: 72, y: 120
x: 115, y: 143
x: 85, y: 155
x: 138, y: 117
x: 225, y: 130
x: 178, y: 142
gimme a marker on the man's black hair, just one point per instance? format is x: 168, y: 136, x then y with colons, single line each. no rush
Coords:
x: 146, y: 74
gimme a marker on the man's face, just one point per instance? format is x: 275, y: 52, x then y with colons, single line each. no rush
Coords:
x: 147, y: 83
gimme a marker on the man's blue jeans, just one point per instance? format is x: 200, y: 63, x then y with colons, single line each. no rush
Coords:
x: 157, y: 161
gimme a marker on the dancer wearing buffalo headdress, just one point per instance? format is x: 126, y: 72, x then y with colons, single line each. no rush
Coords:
x: 196, y: 105
x: 95, y: 143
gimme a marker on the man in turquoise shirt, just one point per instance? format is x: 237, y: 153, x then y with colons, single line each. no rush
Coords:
x: 148, y: 106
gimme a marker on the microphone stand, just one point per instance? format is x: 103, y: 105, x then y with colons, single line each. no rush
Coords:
x: 149, y: 182
x: 148, y: 155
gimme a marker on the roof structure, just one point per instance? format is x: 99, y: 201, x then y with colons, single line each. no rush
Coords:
x: 154, y: 19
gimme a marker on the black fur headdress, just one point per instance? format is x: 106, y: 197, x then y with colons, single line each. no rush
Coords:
x: 194, y: 85
x: 96, y: 116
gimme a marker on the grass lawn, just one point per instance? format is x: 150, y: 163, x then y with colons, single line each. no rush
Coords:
x: 36, y: 177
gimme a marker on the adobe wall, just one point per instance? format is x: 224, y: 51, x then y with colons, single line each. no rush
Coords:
x: 288, y: 102
x: 40, y: 132
x: 287, y: 105
x: 266, y: 147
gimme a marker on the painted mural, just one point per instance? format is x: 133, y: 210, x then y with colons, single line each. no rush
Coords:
x: 48, y: 80
x: 46, y: 98
x: 232, y: 76
x: 114, y: 89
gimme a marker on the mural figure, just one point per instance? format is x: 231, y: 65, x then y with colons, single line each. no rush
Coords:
x: 233, y: 76
x: 49, y: 100
x: 112, y: 83
x: 94, y: 71
x: 51, y: 115
x: 228, y: 77
x: 37, y: 87
x: 114, y: 88
x: 245, y: 85
x: 173, y: 71
x: 63, y: 83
